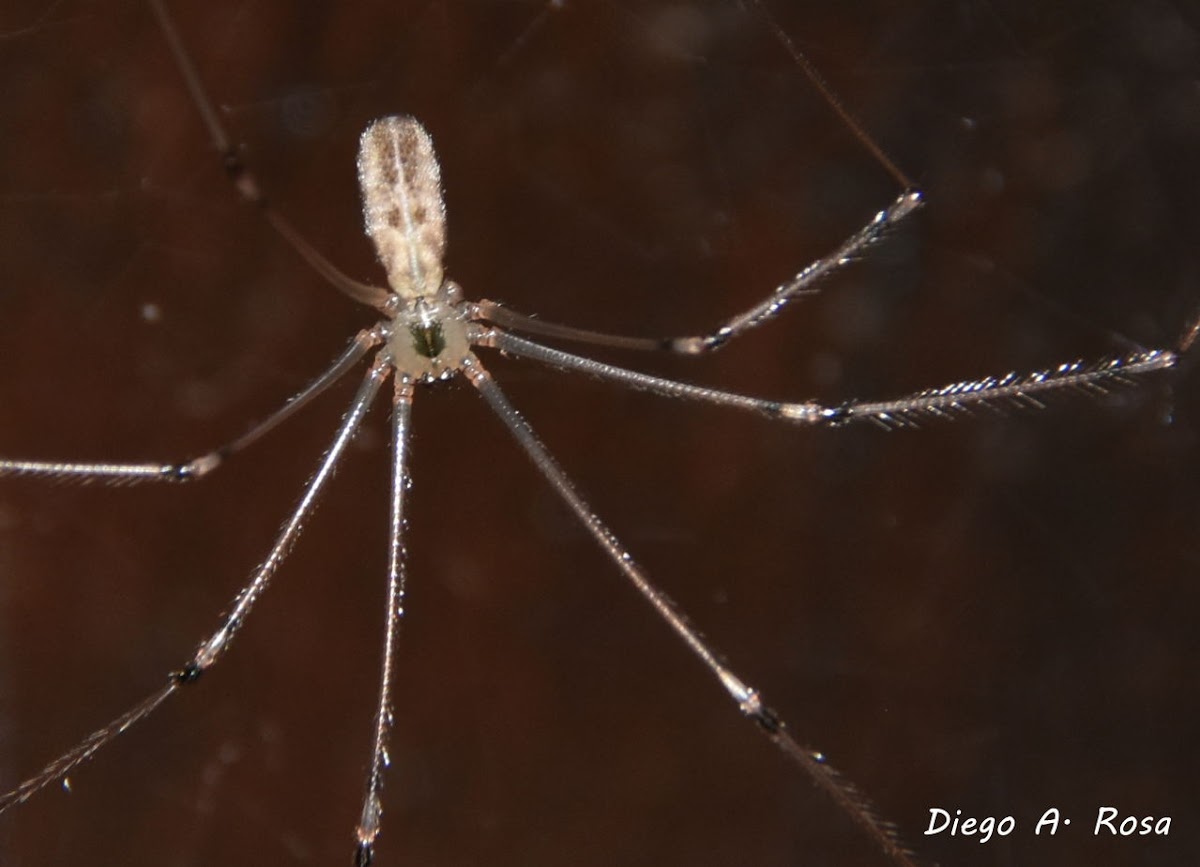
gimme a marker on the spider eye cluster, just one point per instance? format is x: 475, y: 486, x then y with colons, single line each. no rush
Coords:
x: 403, y: 209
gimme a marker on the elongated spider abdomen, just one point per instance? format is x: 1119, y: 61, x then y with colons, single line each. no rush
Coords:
x: 403, y: 208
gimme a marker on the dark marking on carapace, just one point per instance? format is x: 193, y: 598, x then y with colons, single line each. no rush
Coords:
x: 428, y: 340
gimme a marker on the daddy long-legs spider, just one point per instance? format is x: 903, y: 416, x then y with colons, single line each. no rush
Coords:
x: 716, y: 190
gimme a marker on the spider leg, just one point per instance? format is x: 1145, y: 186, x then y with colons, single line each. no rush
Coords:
x: 216, y: 644
x: 246, y: 182
x: 1011, y: 389
x: 86, y: 748
x: 372, y: 809
x: 748, y: 700
x: 803, y: 283
x: 122, y: 474
x: 496, y: 339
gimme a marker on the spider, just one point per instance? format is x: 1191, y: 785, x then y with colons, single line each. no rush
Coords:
x: 450, y: 180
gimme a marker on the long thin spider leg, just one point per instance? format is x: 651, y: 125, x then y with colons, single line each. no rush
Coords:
x: 506, y: 317
x: 86, y: 748
x: 1016, y: 389
x: 218, y: 642
x: 120, y: 474
x: 805, y: 282
x: 362, y: 343
x: 372, y: 810
x: 748, y: 700
x: 522, y: 348
x: 246, y: 182
x: 212, y: 648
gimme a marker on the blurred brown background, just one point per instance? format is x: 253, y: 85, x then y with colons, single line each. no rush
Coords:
x: 994, y: 615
